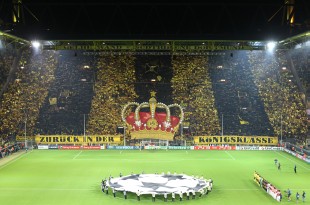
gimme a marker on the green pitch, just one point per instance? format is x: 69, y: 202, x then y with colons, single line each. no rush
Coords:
x: 54, y: 177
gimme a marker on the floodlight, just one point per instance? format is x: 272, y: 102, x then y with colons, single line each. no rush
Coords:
x: 35, y: 44
x: 271, y: 45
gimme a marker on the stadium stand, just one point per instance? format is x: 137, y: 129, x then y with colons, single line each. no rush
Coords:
x: 52, y: 92
x: 237, y: 97
x: 282, y: 100
x: 69, y: 96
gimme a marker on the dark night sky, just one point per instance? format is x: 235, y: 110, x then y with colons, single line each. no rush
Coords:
x: 215, y: 19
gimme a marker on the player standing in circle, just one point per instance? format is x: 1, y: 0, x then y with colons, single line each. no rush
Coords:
x: 113, y: 190
x: 181, y: 196
x: 165, y: 197
x: 138, y: 195
x: 102, y: 185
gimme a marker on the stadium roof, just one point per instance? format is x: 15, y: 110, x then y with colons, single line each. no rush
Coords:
x: 160, y: 46
x: 160, y: 19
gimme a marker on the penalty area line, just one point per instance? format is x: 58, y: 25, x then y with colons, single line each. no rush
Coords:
x: 78, y: 154
x: 230, y: 155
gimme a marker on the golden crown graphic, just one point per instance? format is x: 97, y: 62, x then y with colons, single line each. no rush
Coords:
x: 152, y: 124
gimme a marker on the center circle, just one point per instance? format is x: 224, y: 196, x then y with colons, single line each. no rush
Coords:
x: 160, y: 184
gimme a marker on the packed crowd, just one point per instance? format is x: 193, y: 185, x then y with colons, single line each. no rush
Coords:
x: 236, y: 96
x: 53, y: 91
x: 22, y: 101
x: 69, y: 97
x: 301, y: 60
x: 6, y: 61
x: 277, y: 88
x: 9, y: 149
x: 192, y: 89
x: 114, y: 88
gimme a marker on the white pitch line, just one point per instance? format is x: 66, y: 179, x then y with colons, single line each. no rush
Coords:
x: 152, y: 160
x: 64, y: 189
x: 235, y: 189
x: 78, y: 154
x: 43, y: 189
x: 230, y: 155
x: 70, y: 189
x: 292, y: 160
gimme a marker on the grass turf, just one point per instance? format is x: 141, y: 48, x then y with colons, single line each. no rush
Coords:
x: 55, y: 177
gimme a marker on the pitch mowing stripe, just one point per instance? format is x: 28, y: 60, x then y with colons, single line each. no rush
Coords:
x: 292, y: 160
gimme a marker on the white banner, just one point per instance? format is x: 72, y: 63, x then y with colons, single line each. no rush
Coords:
x: 271, y: 148
x: 247, y: 148
x: 258, y: 148
x: 42, y: 146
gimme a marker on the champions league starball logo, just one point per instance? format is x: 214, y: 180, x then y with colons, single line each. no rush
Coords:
x: 160, y: 184
x: 155, y: 124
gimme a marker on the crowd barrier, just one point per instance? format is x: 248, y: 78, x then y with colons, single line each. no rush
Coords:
x: 303, y: 157
x: 198, y: 147
x: 10, y: 149
x: 295, y: 154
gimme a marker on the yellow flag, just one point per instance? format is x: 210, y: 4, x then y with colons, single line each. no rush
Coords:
x: 53, y: 101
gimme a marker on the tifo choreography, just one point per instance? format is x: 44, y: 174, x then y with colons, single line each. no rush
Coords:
x: 164, y: 184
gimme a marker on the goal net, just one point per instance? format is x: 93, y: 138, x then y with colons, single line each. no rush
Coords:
x: 154, y: 143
